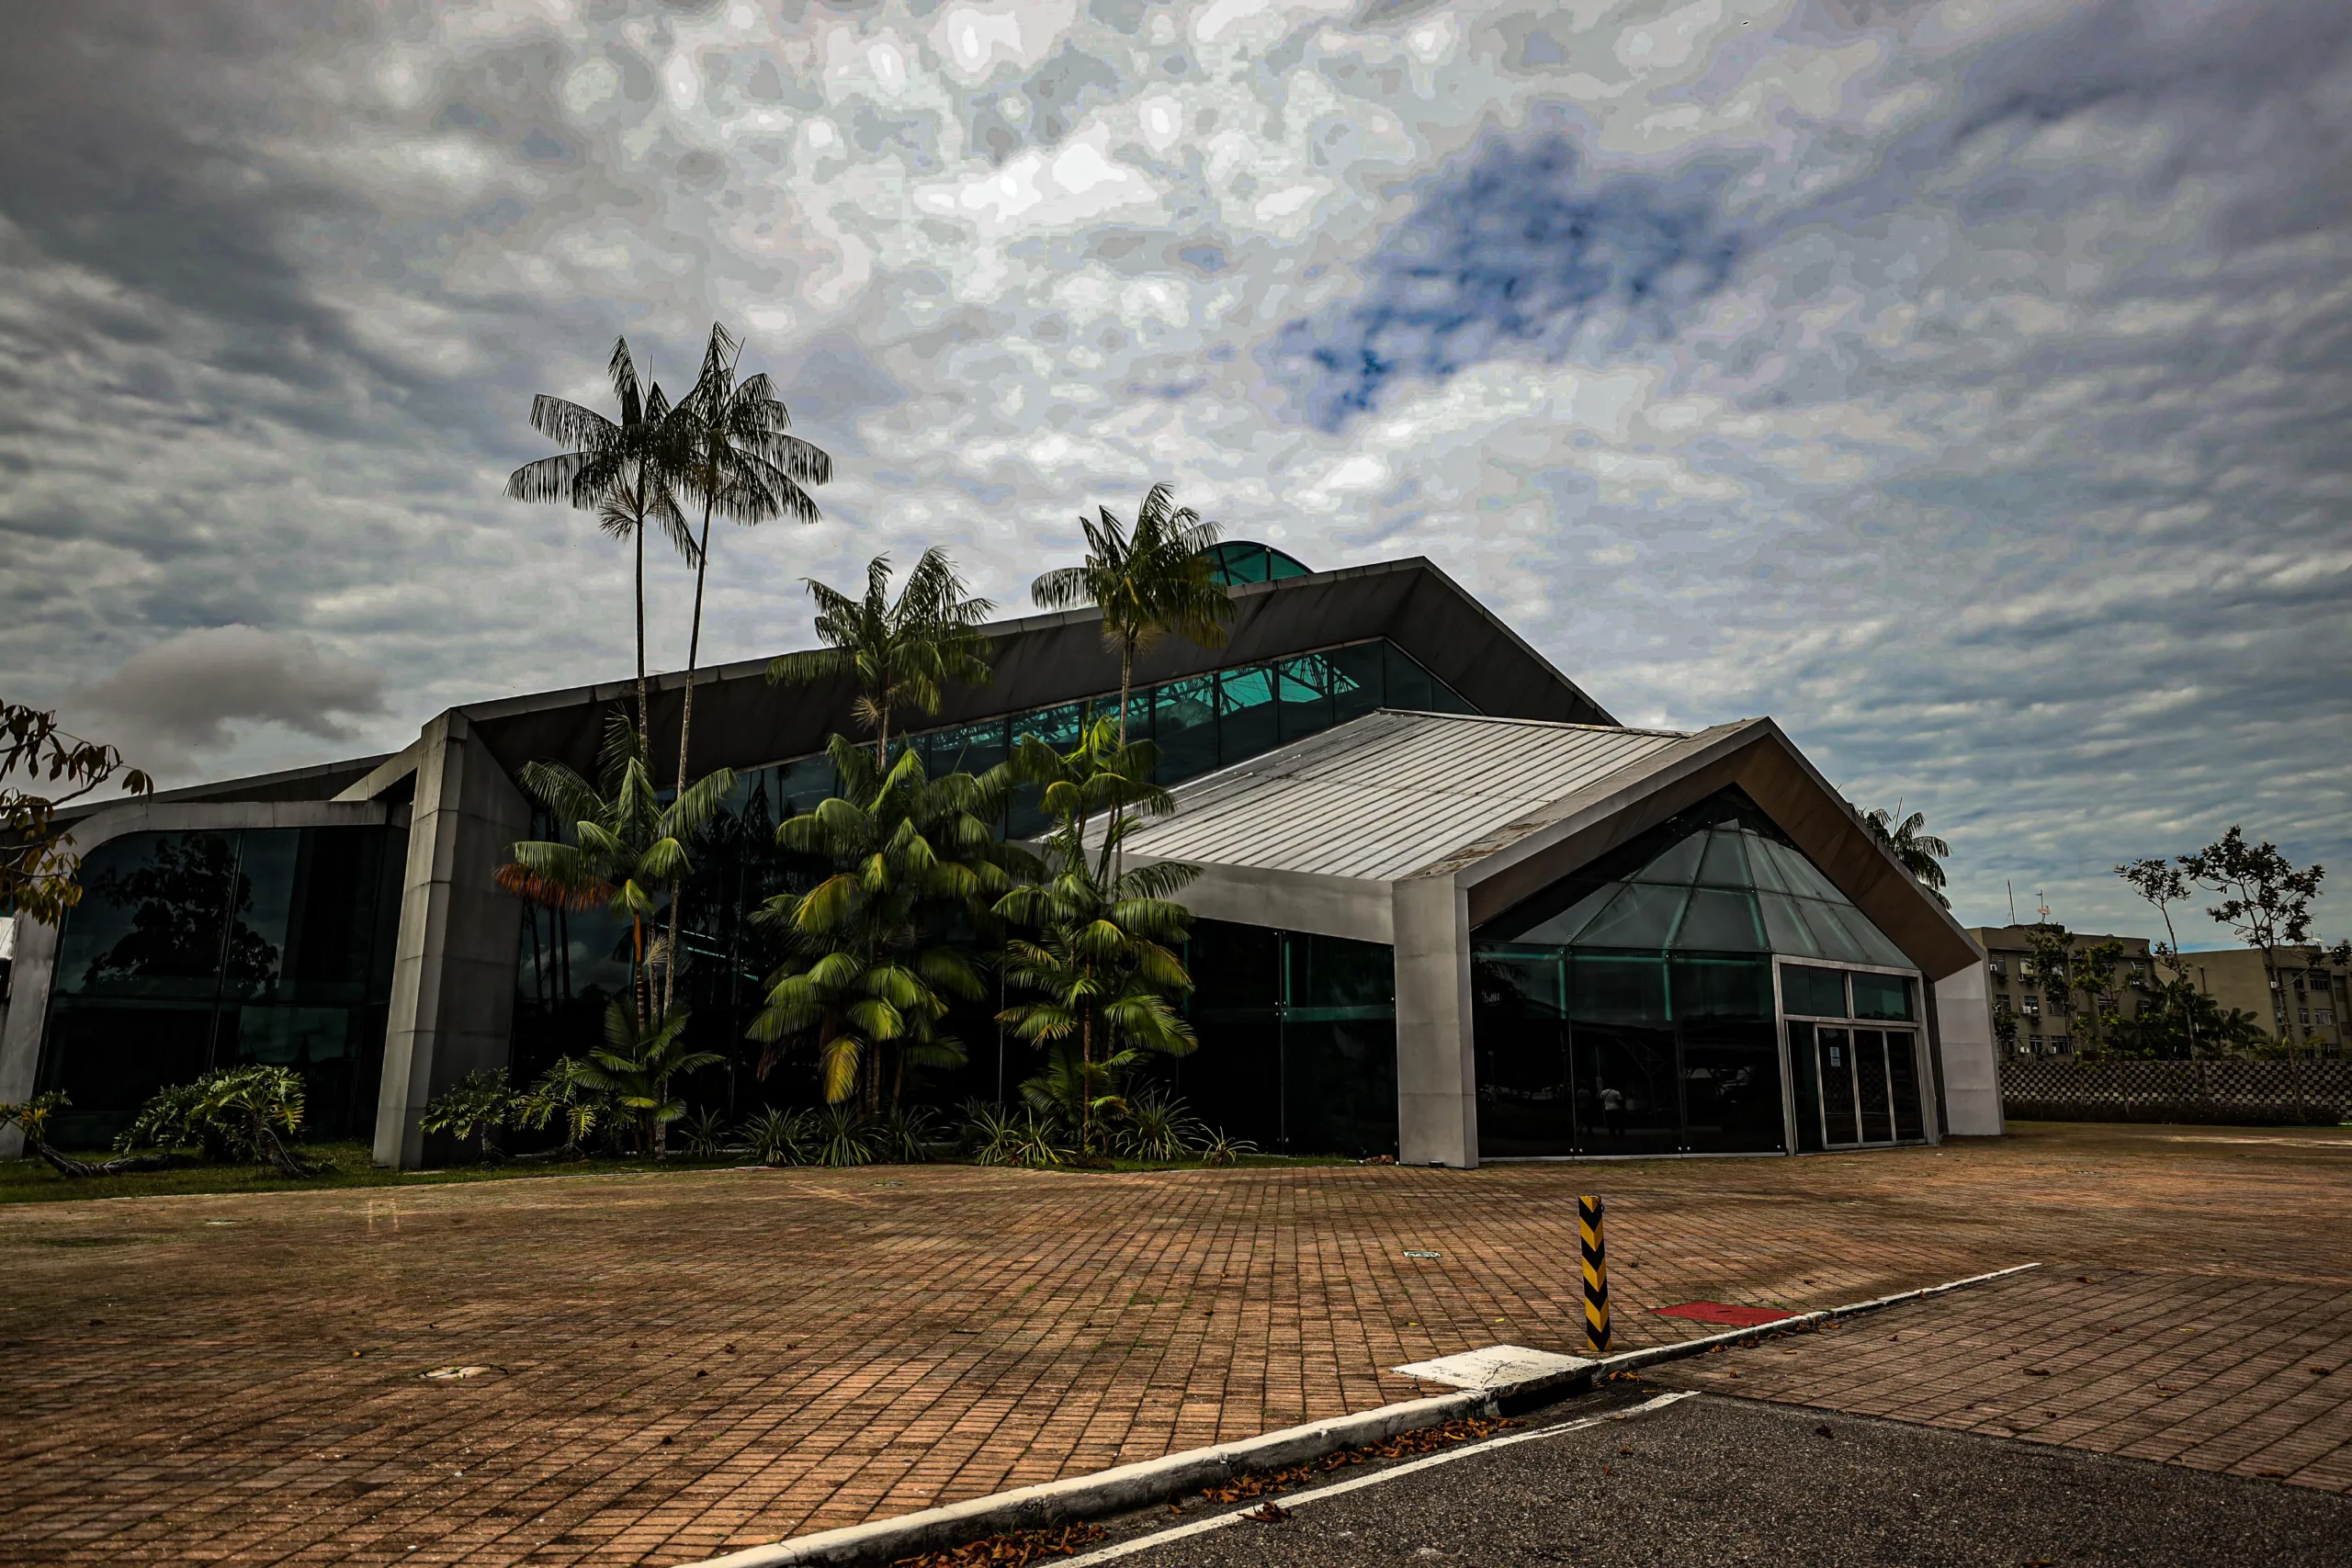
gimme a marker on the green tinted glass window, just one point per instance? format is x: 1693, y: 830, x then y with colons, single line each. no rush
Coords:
x: 1881, y: 996
x: 1817, y: 993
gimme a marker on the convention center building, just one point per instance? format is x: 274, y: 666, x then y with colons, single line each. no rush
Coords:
x: 1449, y: 910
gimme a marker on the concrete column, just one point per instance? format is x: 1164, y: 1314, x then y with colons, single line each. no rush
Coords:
x: 452, y: 969
x: 1972, y: 1065
x: 21, y: 1021
x: 1437, y: 1105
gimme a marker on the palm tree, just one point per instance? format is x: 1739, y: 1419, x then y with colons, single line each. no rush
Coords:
x: 627, y: 471
x: 739, y: 459
x: 625, y: 842
x: 869, y: 972
x: 1147, y: 582
x: 1918, y: 852
x: 1102, y: 966
x: 634, y: 1064
x: 901, y: 653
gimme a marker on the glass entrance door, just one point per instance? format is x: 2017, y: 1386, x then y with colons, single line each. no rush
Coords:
x: 1869, y: 1084
x: 1838, y: 1123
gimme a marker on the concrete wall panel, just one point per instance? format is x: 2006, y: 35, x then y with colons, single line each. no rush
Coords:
x: 1437, y: 1105
x: 1971, y: 1079
x: 453, y: 970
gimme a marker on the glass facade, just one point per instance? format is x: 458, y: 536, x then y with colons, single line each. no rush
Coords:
x: 192, y: 951
x: 1853, y: 1086
x: 1298, y: 1040
x: 1629, y: 1007
x: 571, y: 965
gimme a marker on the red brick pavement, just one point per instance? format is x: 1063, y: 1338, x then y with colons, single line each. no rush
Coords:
x: 691, y: 1362
x: 2249, y: 1376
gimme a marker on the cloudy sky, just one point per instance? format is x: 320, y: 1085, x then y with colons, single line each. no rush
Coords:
x: 1963, y: 384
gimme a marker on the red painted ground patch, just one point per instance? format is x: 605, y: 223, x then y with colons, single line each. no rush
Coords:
x: 1719, y: 1312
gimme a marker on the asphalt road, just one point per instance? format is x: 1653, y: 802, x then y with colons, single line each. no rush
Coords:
x: 1710, y: 1481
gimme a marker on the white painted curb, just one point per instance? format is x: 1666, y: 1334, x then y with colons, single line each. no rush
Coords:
x: 1104, y: 1491
x: 1157, y: 1480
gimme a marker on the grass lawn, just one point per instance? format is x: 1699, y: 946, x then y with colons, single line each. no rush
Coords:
x: 351, y: 1165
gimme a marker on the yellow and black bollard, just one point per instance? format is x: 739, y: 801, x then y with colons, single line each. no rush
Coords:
x: 1589, y: 1211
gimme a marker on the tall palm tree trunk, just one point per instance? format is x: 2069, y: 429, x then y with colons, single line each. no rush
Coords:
x: 1086, y: 1082
x: 1126, y: 686
x: 686, y: 736
x: 644, y: 705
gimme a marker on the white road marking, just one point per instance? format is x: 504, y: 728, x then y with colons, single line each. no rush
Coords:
x: 1470, y: 1450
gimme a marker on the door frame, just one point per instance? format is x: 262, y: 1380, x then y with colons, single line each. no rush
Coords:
x: 1915, y: 1027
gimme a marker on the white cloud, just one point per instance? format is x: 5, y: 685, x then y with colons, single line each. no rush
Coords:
x: 178, y: 699
x: 2000, y: 463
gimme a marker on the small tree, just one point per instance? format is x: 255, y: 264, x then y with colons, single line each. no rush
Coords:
x: 903, y: 653
x: 39, y: 876
x: 2091, y: 974
x: 2005, y: 1024
x: 2264, y: 900
x: 565, y: 1093
x: 624, y: 469
x: 623, y: 843
x: 635, y: 1066
x: 870, y: 972
x: 2161, y: 884
x: 1149, y: 581
x: 2050, y: 960
x: 1103, y: 966
x: 230, y: 1113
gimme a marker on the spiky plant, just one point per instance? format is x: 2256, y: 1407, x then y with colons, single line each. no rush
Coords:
x: 474, y: 1109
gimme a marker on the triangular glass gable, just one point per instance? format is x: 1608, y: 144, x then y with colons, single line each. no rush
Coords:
x: 1721, y: 877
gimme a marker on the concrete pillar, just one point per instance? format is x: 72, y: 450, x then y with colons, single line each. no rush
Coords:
x: 33, y: 967
x: 1437, y: 1105
x: 452, y: 969
x: 1971, y: 1065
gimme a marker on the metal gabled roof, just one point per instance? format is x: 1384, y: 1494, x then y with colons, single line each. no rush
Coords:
x: 1392, y: 793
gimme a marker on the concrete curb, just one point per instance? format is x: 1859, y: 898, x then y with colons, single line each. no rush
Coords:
x: 1154, y: 1481
x: 1104, y: 1491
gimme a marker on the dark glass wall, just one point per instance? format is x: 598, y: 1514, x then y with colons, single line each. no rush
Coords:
x: 571, y: 965
x: 1628, y: 1008
x: 1593, y: 1052
x: 199, y: 950
x: 1298, y: 1040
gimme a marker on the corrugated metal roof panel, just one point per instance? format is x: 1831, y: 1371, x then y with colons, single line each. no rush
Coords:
x: 1381, y: 798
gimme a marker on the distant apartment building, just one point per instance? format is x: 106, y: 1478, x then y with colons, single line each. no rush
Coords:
x: 2045, y: 1021
x: 2306, y: 1004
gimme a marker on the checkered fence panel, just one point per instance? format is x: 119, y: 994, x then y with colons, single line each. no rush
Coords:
x: 2224, y: 1091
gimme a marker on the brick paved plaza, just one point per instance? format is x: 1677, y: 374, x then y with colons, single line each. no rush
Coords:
x: 690, y: 1362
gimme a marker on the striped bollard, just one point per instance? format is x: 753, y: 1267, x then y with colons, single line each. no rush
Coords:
x: 1589, y: 1213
